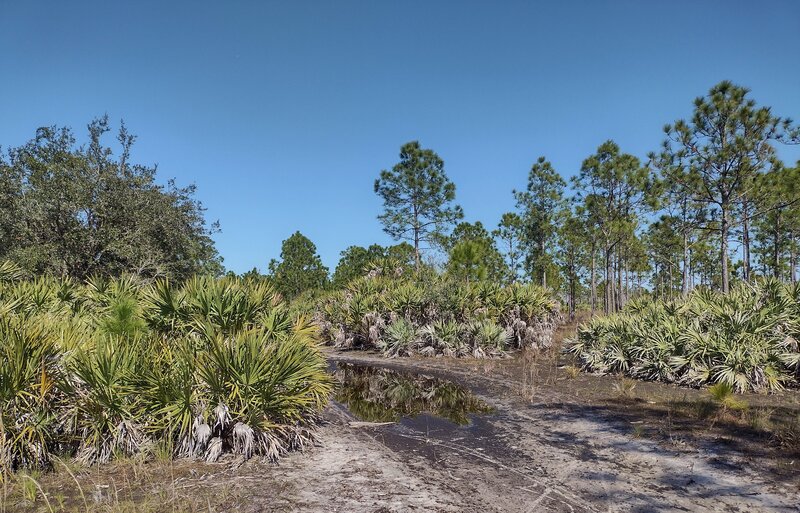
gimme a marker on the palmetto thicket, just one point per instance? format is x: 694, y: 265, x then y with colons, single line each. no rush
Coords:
x: 116, y: 367
x: 748, y: 339
x: 438, y: 316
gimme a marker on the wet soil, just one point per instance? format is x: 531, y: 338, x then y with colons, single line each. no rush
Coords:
x: 556, y: 443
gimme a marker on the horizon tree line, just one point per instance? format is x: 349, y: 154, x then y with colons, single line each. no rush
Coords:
x: 667, y: 224
x: 712, y: 204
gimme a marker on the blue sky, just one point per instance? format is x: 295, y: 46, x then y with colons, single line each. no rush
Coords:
x: 284, y: 113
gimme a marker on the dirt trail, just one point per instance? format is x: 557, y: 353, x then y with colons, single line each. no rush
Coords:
x: 548, y: 454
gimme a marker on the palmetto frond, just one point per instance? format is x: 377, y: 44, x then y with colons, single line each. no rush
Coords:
x: 9, y: 272
x: 513, y: 317
x: 113, y: 367
x: 29, y: 395
x: 746, y: 339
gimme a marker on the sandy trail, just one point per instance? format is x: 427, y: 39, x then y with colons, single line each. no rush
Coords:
x: 546, y: 455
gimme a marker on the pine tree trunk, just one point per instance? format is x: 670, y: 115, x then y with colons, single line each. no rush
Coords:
x: 416, y: 238
x: 657, y: 277
x: 685, y: 284
x: 514, y: 262
x: 671, y: 281
x: 776, y: 243
x: 724, y: 250
x: 792, y: 258
x: 620, y: 302
x: 593, y: 273
x: 572, y: 296
x: 607, y: 287
x: 746, y: 243
x: 542, y: 264
x: 627, y: 282
x: 618, y: 299
x: 609, y: 295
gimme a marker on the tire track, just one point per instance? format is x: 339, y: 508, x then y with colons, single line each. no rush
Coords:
x: 547, y: 491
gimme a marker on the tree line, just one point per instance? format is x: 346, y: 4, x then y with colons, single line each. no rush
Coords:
x: 713, y: 204
x: 621, y: 225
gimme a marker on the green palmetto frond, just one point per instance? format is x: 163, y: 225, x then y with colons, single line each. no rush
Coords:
x: 29, y: 375
x: 170, y: 395
x: 361, y: 315
x: 112, y: 367
x: 406, y: 299
x: 98, y: 288
x: 230, y: 304
x: 107, y: 400
x: 488, y: 335
x: 165, y: 307
x: 399, y: 339
x: 264, y: 381
x: 445, y: 336
x: 10, y: 272
x: 746, y: 340
x: 34, y: 296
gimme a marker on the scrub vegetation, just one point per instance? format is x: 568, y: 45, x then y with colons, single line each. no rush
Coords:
x: 748, y: 339
x: 116, y: 368
x: 438, y: 316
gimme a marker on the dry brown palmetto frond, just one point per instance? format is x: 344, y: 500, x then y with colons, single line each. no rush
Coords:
x: 222, y: 417
x: 243, y: 439
x: 214, y: 450
x: 201, y: 435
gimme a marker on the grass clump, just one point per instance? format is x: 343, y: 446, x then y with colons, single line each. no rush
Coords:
x: 722, y: 395
x: 624, y: 388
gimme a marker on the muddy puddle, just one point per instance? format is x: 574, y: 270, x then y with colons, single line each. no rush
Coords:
x: 425, y: 413
x: 374, y: 394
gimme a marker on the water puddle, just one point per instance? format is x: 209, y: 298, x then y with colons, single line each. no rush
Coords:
x: 418, y: 401
x: 429, y: 416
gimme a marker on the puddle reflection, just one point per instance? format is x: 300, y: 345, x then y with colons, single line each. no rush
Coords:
x: 383, y: 395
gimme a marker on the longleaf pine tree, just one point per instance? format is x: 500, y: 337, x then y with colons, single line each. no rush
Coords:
x: 725, y: 145
x: 418, y: 198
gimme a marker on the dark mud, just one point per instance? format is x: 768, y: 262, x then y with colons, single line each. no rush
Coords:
x: 554, y: 443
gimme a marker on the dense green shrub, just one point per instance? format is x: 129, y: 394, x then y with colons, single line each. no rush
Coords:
x: 747, y: 339
x: 116, y: 367
x: 437, y: 316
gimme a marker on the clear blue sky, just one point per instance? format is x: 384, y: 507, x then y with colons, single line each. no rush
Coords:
x: 283, y: 113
